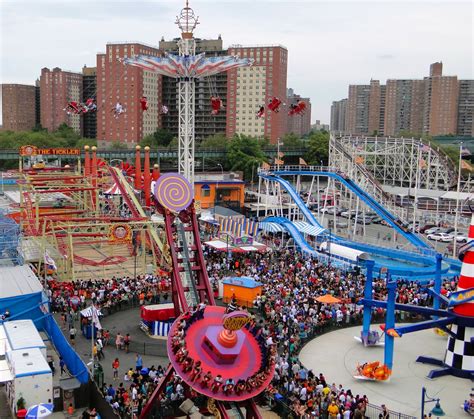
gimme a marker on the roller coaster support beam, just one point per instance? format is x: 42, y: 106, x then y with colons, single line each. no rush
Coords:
x: 424, y: 311
x: 390, y: 322
x: 437, y: 283
x: 367, y: 296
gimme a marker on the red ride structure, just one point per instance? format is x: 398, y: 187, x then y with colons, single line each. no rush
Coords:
x: 217, y: 355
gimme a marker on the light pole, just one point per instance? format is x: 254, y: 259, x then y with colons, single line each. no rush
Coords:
x: 278, y: 153
x: 456, y: 216
x: 437, y: 411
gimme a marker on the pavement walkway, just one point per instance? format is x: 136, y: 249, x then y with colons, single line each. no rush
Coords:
x: 336, y: 354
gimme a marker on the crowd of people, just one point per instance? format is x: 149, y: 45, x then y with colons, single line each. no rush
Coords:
x: 287, y: 313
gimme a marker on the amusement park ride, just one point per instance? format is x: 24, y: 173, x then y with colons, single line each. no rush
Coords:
x: 216, y: 354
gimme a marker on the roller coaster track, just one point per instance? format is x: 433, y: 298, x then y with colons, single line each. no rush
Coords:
x: 137, y: 211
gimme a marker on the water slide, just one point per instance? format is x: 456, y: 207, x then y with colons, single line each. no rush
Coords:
x: 294, y: 232
x: 296, y: 197
x: 413, y: 238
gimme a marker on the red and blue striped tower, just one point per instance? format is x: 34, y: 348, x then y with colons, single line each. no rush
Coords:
x: 460, y: 349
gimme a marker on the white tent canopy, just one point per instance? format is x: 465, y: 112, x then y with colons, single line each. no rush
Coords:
x: 343, y: 251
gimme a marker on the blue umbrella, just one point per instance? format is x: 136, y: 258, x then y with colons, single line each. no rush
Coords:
x: 39, y: 411
x: 144, y: 371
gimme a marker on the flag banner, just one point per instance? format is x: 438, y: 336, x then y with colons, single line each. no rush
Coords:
x: 95, y: 318
x: 278, y: 161
x: 49, y: 262
x: 265, y: 166
x: 302, y: 162
x: 280, y: 154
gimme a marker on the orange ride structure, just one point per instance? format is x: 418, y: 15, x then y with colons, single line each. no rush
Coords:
x: 87, y: 218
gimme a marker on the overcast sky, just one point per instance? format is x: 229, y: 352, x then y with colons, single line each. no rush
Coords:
x: 331, y: 44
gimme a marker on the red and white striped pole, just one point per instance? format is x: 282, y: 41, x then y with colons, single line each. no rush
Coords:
x: 460, y: 349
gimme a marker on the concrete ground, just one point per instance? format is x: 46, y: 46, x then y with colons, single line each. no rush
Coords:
x: 336, y: 354
x: 126, y: 321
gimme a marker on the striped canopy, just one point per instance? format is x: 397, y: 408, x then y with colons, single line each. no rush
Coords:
x: 189, y: 66
x: 302, y: 226
x: 239, y: 226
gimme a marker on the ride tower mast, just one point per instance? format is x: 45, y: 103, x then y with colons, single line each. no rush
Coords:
x: 187, y: 22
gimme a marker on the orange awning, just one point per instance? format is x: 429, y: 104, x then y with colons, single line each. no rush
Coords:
x: 328, y: 299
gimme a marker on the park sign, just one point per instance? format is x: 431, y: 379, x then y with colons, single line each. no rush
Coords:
x: 31, y: 150
x: 461, y: 297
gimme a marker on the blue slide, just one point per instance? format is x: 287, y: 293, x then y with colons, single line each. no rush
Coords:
x: 294, y: 232
x: 296, y: 197
x: 364, y: 196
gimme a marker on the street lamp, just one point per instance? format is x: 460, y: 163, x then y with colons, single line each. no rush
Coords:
x: 437, y: 411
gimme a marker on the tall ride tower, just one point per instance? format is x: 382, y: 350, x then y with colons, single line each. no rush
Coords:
x: 187, y: 22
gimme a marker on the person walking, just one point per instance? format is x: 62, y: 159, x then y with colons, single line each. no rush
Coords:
x: 115, y: 367
x: 126, y: 342
x: 138, y: 362
x: 118, y: 341
x: 72, y: 335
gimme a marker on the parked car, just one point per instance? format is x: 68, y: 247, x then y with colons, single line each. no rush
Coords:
x: 461, y: 238
x: 432, y: 230
x: 363, y: 220
x: 329, y: 210
x: 426, y: 227
x: 441, y: 237
x: 350, y: 214
x: 447, y: 230
x: 377, y: 220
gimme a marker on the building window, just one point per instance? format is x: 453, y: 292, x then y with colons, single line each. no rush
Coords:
x: 205, y: 191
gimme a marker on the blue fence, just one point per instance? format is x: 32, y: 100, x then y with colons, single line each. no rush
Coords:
x: 74, y: 363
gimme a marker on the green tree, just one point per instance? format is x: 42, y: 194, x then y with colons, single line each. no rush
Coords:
x: 117, y: 145
x: 161, y: 137
x: 318, y: 148
x: 292, y: 141
x: 214, y: 142
x: 245, y: 153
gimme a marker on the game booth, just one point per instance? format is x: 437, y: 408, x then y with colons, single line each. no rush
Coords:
x: 157, y: 319
x: 244, y: 289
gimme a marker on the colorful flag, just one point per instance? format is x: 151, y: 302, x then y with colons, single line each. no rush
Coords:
x: 49, y: 262
x: 278, y: 161
x: 466, y: 166
x: 265, y: 166
x: 280, y: 154
x: 302, y: 162
x: 95, y: 318
x: 423, y: 163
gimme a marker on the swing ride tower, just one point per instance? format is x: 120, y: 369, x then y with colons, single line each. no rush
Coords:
x: 186, y: 68
x: 187, y: 22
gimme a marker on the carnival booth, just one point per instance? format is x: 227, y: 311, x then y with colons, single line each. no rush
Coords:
x: 244, y: 289
x: 86, y: 322
x: 157, y: 319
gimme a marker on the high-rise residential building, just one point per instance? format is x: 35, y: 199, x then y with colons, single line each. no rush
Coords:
x: 357, y: 113
x: 37, y: 103
x: 58, y: 88
x: 298, y: 124
x: 403, y: 106
x: 465, y: 126
x: 89, y: 91
x: 206, y: 124
x: 440, y: 102
x: 338, y: 116
x: 428, y: 106
x: 375, y: 106
x: 248, y: 88
x: 18, y: 107
x: 118, y: 83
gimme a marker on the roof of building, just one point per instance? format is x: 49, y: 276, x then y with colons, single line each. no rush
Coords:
x: 225, y: 212
x: 28, y: 362
x: 22, y: 334
x: 242, y: 281
x: 18, y: 280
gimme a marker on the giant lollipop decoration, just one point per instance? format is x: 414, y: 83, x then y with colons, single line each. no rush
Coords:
x: 174, y: 192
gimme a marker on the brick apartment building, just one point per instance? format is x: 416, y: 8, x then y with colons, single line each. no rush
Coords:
x: 18, y: 107
x: 248, y: 88
x: 57, y: 88
x: 126, y: 84
x: 429, y: 106
x: 298, y: 124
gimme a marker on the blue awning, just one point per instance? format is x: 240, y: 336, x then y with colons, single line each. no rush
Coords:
x: 307, y: 228
x: 268, y: 227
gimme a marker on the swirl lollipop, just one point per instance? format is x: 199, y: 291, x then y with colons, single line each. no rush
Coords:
x: 173, y: 191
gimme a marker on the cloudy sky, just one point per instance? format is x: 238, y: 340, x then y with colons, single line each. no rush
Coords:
x: 331, y: 44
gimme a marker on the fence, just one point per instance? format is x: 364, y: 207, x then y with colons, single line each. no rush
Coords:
x: 372, y: 412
